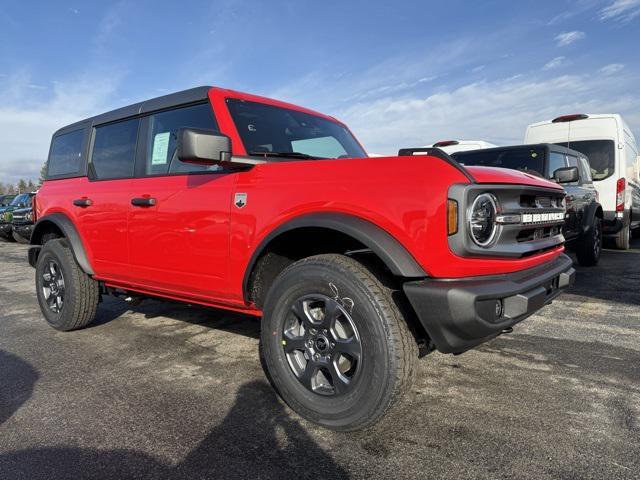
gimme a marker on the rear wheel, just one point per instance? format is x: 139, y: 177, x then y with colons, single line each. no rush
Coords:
x: 623, y: 238
x: 335, y: 344
x: 68, y: 297
x: 589, y: 248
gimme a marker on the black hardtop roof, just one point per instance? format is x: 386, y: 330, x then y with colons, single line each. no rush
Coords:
x: 191, y: 95
x: 548, y: 146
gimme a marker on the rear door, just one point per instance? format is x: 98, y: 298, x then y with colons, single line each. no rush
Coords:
x: 180, y: 244
x: 101, y: 210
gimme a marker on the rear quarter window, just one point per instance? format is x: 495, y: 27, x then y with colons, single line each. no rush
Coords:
x: 65, y: 157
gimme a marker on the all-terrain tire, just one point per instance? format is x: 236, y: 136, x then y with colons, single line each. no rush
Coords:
x: 81, y: 294
x: 589, y: 248
x: 388, y: 349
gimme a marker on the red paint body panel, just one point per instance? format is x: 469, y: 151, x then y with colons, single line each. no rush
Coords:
x: 194, y: 245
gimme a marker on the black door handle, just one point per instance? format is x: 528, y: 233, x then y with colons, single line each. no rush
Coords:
x: 82, y: 202
x: 143, y: 202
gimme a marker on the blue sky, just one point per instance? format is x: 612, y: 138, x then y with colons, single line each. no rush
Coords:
x: 401, y: 74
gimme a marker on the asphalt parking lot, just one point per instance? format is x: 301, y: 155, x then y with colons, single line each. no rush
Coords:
x: 163, y: 390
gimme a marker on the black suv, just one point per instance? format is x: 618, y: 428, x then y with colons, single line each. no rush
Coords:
x: 5, y: 200
x: 20, y: 202
x: 22, y: 223
x: 583, y: 223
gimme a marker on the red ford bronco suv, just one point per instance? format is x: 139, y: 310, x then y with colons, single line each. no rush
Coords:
x: 356, y: 265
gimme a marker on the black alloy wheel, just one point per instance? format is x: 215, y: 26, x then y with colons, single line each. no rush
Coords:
x: 53, y: 286
x: 322, y: 345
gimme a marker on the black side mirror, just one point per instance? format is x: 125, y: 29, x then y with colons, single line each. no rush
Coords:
x: 203, y: 147
x: 566, y: 175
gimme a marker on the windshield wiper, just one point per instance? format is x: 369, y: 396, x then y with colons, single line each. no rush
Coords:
x: 285, y: 155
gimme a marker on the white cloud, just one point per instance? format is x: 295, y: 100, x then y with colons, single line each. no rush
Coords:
x: 621, y: 10
x: 567, y: 38
x: 27, y: 123
x: 496, y: 111
x: 611, y: 68
x: 554, y: 63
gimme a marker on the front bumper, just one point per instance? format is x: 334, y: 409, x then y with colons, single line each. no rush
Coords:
x: 459, y: 314
x: 24, y: 230
x: 5, y: 230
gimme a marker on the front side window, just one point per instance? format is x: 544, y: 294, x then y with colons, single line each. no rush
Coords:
x: 269, y: 129
x: 114, y: 150
x: 66, y: 154
x: 556, y: 161
x: 530, y: 160
x: 601, y: 155
x: 162, y: 140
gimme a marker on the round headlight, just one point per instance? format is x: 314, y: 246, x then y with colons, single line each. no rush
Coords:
x: 6, y: 216
x: 482, y: 219
x: 28, y: 216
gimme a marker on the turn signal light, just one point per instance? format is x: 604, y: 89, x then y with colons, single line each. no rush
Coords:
x: 452, y: 217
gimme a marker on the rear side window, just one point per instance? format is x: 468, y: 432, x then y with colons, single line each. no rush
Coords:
x: 114, y: 150
x: 66, y: 154
x: 162, y: 139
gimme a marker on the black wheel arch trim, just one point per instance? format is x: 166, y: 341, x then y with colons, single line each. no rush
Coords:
x: 70, y: 232
x: 394, y: 255
x: 590, y: 215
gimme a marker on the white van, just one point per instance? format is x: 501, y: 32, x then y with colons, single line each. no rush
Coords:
x: 615, y: 165
x: 452, y: 146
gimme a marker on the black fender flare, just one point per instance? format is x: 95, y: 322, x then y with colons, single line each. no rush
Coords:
x: 394, y: 255
x: 590, y: 215
x: 68, y: 229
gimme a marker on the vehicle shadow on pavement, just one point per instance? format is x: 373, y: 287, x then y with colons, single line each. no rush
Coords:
x: 609, y: 361
x: 257, y: 439
x: 17, y: 379
x: 614, y: 277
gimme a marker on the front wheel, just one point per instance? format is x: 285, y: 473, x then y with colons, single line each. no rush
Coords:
x: 335, y: 345
x: 68, y: 297
x: 589, y: 247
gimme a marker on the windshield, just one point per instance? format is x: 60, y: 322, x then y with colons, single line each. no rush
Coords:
x: 6, y: 200
x: 20, y: 199
x: 266, y: 128
x: 530, y: 160
x: 601, y: 155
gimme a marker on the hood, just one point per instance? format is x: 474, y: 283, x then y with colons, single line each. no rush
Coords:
x: 506, y: 175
